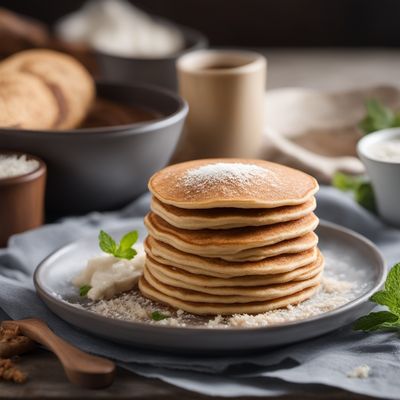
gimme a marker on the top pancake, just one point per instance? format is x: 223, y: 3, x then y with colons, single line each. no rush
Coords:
x: 231, y: 182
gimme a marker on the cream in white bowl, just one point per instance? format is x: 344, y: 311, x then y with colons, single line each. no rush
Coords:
x: 380, y: 153
x: 386, y: 151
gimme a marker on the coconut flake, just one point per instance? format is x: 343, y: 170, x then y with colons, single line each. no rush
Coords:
x: 15, y: 165
x: 360, y: 372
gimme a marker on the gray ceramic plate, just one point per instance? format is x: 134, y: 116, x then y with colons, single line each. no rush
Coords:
x: 347, y: 255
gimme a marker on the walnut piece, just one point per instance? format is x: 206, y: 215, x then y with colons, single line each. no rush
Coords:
x: 10, y: 372
x: 12, y: 342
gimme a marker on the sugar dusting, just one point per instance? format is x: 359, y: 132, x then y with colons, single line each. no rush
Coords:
x: 232, y: 175
x: 14, y: 165
x: 133, y: 306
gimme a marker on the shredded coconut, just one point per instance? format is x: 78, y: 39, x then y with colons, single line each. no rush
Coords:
x: 14, y: 165
x: 360, y: 372
x: 332, y: 285
x: 332, y: 294
x: 132, y: 306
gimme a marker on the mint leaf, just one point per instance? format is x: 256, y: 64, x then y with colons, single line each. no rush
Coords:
x: 386, y: 299
x: 396, y: 120
x: 124, y: 249
x: 378, y: 117
x: 376, y: 320
x: 364, y: 195
x: 382, y: 116
x: 367, y: 125
x: 362, y: 189
x: 389, y: 297
x: 128, y: 254
x: 128, y: 240
x: 107, y: 243
x: 83, y: 290
x: 158, y: 316
x: 392, y: 283
x: 345, y: 182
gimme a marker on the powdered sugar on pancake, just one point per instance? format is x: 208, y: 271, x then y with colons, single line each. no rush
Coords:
x: 231, y: 182
x: 231, y: 175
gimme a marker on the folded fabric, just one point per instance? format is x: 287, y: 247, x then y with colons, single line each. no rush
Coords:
x: 317, y: 130
x: 301, y: 367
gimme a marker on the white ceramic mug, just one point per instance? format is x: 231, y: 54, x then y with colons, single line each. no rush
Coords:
x: 225, y: 90
x: 384, y: 175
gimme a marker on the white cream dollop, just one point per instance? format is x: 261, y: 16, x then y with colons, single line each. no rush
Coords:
x: 117, y: 27
x: 109, y: 276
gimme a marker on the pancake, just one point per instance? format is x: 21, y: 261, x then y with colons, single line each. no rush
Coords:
x: 216, y: 243
x: 203, y: 283
x: 219, y: 268
x: 231, y: 182
x: 260, y: 294
x: 301, y: 243
x: 226, y: 218
x: 224, y: 309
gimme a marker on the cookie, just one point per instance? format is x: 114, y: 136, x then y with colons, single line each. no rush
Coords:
x: 71, y: 85
x: 26, y: 102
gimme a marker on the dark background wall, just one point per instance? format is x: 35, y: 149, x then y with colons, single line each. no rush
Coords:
x: 262, y: 22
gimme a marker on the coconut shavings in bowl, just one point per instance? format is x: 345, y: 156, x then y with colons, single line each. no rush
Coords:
x: 16, y: 165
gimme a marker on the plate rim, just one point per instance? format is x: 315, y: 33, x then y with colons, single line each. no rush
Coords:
x: 59, y: 302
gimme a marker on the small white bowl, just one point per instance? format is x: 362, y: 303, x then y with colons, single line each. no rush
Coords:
x: 384, y: 175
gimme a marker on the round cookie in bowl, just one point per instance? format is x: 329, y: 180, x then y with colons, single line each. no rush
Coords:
x: 71, y: 85
x: 101, y: 141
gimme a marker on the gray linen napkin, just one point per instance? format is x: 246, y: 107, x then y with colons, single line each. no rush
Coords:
x: 306, y: 366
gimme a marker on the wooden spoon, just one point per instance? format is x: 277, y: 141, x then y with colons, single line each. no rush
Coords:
x: 81, y: 368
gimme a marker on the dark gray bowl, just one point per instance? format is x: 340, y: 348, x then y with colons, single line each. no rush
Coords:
x: 105, y: 168
x: 155, y: 71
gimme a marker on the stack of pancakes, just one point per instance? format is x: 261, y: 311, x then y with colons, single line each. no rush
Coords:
x: 231, y: 236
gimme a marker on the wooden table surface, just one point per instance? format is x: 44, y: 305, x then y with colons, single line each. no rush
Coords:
x: 315, y: 68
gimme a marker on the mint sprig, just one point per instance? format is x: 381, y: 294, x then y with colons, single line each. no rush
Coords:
x: 359, y: 186
x: 389, y: 297
x: 124, y: 248
x: 83, y: 290
x: 378, y: 117
x: 158, y: 316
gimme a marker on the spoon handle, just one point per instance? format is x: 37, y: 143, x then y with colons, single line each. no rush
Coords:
x: 81, y: 368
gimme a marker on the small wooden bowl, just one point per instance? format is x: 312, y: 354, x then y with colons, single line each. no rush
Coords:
x: 21, y: 200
